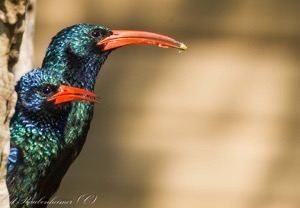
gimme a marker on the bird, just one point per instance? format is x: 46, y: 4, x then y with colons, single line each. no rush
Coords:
x: 78, y: 52
x: 38, y: 136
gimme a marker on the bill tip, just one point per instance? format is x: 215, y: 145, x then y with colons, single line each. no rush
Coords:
x: 182, y: 46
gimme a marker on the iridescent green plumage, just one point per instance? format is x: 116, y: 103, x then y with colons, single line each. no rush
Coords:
x: 39, y: 154
x: 49, y: 146
x: 37, y: 135
x: 76, y: 54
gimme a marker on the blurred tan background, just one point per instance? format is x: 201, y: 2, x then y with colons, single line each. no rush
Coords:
x: 217, y: 126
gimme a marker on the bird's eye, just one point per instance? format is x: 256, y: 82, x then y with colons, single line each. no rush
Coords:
x: 96, y: 33
x: 47, y: 90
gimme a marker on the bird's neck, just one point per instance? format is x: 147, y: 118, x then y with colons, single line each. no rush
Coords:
x: 79, y: 71
x: 37, y: 151
x: 84, y: 73
x: 39, y: 146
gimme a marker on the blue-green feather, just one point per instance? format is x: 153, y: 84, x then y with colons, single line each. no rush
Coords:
x: 37, y: 136
x: 74, y: 57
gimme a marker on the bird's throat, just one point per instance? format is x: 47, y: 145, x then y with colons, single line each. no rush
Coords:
x: 84, y: 73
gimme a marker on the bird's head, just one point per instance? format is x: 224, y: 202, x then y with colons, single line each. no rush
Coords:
x: 79, y: 40
x: 43, y: 93
x: 79, y: 51
x: 84, y: 40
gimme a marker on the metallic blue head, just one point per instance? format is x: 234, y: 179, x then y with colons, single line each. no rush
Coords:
x: 34, y: 89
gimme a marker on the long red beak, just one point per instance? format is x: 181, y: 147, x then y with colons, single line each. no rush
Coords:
x: 121, y: 38
x: 68, y: 93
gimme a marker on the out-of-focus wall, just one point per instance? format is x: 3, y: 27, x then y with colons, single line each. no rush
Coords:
x: 216, y: 126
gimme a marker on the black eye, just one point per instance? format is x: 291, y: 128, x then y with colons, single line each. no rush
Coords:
x: 47, y: 90
x: 96, y: 33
